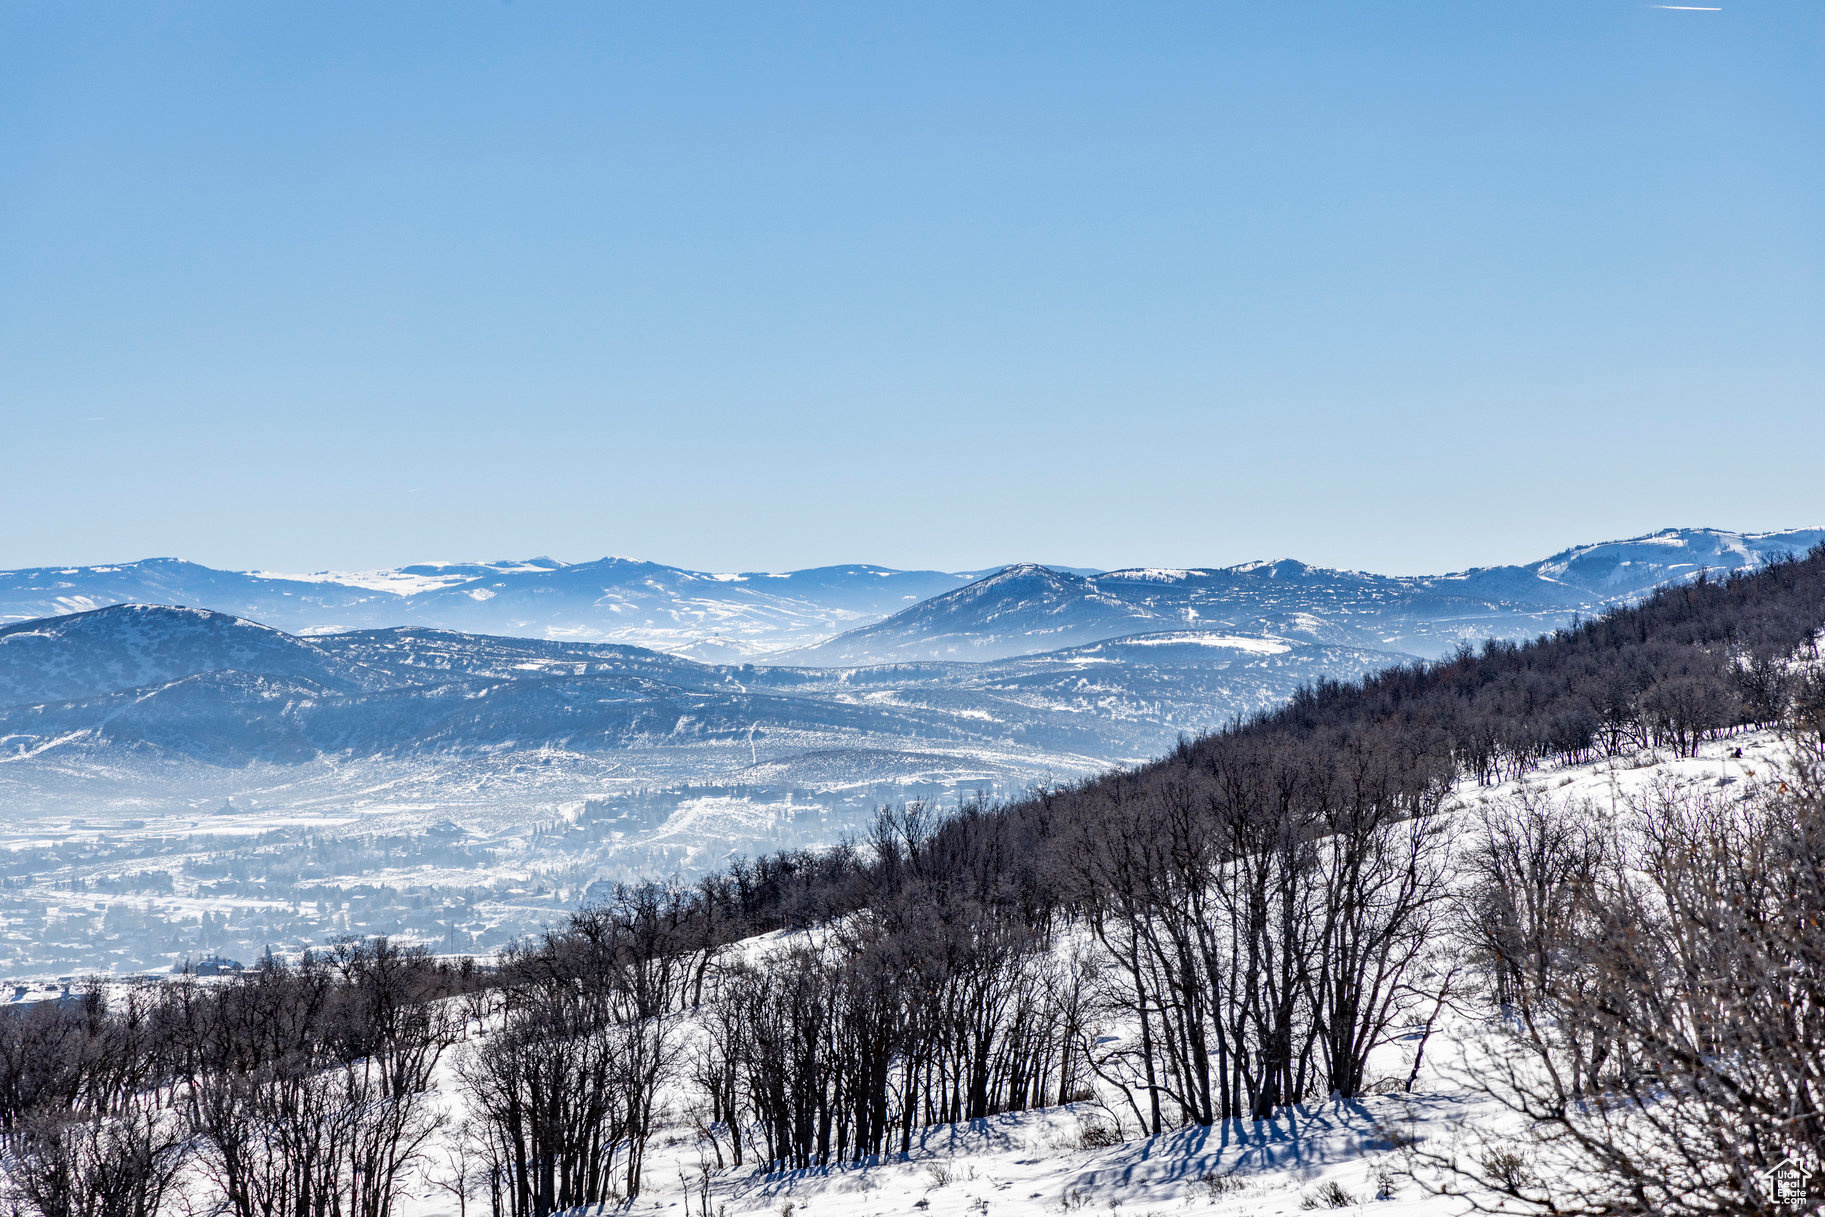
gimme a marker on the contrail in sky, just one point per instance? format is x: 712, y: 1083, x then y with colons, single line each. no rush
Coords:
x: 1686, y: 8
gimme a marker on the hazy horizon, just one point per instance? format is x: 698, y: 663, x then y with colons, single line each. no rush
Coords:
x: 952, y: 568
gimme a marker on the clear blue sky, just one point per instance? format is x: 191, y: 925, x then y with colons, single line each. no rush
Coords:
x: 1394, y: 286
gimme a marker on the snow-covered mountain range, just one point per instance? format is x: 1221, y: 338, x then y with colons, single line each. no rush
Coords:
x: 847, y: 615
x: 1024, y: 673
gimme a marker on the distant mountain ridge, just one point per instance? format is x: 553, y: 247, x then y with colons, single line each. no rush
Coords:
x: 1028, y: 608
x: 1015, y: 611
x: 862, y: 614
x: 709, y: 616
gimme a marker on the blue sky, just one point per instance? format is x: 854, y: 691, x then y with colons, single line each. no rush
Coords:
x: 1402, y: 287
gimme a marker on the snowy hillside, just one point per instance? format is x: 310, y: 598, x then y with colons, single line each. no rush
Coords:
x: 1091, y: 1156
x: 141, y: 646
x: 1016, y: 611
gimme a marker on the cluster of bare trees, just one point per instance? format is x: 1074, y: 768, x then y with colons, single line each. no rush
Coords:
x: 309, y: 1088
x: 302, y: 1089
x: 1257, y: 928
x: 564, y: 1094
x: 933, y: 1013
x: 1663, y: 978
x: 1264, y: 928
x: 79, y: 1131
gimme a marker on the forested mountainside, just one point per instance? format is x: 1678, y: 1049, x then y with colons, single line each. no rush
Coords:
x: 1690, y: 663
x: 1256, y: 919
x: 1272, y: 905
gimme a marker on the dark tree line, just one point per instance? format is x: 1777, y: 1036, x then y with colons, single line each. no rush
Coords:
x: 1693, y: 662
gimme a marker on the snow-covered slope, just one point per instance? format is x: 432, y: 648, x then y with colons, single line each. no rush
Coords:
x: 1620, y: 568
x: 1038, y: 1164
x: 1316, y: 1155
